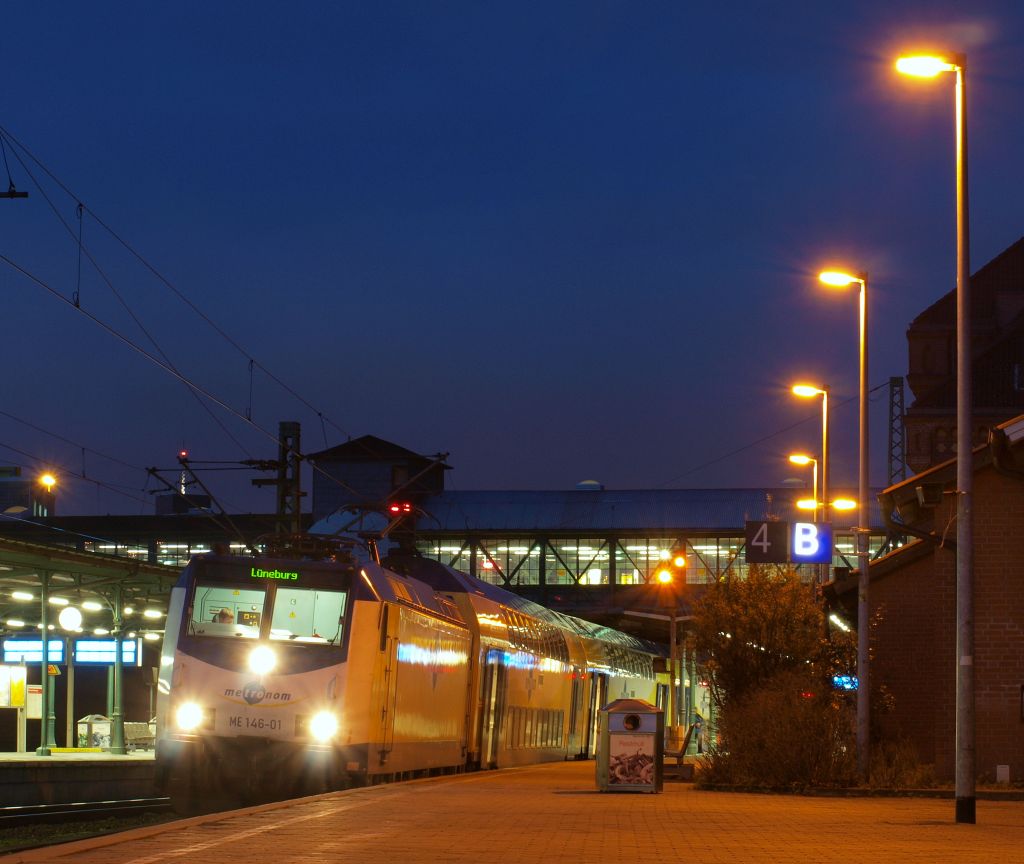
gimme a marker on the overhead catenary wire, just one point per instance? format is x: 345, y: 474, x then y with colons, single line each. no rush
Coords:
x: 80, y: 208
x: 166, y: 367
x: 170, y: 286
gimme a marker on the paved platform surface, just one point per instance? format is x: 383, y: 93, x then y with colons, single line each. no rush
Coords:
x: 554, y: 813
x: 81, y: 756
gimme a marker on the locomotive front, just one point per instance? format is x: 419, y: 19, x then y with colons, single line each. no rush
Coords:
x: 252, y: 676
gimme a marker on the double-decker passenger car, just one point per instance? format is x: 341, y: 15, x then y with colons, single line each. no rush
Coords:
x: 281, y: 676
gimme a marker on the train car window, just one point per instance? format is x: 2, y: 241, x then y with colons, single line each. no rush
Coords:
x: 224, y: 611
x: 308, y: 615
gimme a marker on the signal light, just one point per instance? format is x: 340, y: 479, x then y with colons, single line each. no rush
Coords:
x: 400, y: 507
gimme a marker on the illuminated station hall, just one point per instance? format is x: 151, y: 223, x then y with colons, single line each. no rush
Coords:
x: 589, y: 551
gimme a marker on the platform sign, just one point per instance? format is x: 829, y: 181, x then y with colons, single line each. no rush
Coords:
x: 31, y: 651
x: 102, y: 652
x: 811, y: 542
x: 767, y: 542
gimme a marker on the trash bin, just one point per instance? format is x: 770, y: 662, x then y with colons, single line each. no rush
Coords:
x: 631, y: 736
x: 94, y: 731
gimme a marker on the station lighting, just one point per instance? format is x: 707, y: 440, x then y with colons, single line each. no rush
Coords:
x: 129, y: 610
x: 22, y: 595
x: 48, y: 480
x: 152, y: 613
x: 70, y: 618
x: 101, y: 631
x: 59, y: 601
x: 151, y: 637
x: 14, y: 622
x: 92, y: 606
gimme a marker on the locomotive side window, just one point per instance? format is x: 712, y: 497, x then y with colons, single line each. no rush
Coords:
x: 308, y: 615
x: 220, y: 610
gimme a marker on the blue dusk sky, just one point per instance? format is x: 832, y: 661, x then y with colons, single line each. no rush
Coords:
x: 559, y: 241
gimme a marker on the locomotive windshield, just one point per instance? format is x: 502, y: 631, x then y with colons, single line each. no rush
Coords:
x: 309, y: 615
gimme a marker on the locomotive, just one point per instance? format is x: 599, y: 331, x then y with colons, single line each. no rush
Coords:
x: 283, y: 676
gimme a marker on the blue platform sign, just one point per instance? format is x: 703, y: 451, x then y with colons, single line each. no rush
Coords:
x: 88, y: 652
x: 810, y: 542
x: 31, y: 651
x: 101, y: 652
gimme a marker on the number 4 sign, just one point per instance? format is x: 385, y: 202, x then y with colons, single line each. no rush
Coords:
x: 767, y: 542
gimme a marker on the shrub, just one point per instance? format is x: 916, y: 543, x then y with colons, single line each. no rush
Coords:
x: 790, y: 733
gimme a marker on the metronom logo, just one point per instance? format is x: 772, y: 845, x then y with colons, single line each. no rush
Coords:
x: 259, y: 573
x: 254, y: 693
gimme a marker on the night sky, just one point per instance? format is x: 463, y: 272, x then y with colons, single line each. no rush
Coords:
x: 559, y: 241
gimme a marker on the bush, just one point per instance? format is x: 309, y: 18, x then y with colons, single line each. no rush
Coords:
x: 790, y: 733
x: 895, y: 765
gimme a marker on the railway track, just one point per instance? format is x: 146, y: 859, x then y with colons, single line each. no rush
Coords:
x: 41, y: 825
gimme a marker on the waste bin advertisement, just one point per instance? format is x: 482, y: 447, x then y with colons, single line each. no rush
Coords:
x: 630, y: 759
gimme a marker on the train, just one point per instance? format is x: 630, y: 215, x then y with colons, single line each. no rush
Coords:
x: 283, y: 676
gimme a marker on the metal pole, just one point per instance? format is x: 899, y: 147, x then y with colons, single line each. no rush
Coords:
x: 826, y: 568
x: 69, y: 720
x: 863, y: 530
x: 965, y: 768
x: 673, y: 671
x: 45, y: 729
x: 117, y: 715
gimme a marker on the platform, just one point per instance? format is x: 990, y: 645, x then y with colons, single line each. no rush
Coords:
x: 551, y: 813
x: 26, y: 778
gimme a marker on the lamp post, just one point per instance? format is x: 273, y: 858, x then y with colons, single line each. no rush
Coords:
x: 804, y: 459
x: 929, y: 67
x: 666, y: 575
x: 843, y: 280
x: 809, y: 391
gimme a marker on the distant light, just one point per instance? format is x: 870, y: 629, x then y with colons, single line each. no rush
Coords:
x: 151, y: 637
x: 48, y: 480
x: 664, y: 576
x: 14, y: 622
x: 679, y: 560
x: 839, y: 622
x: 801, y: 459
x: 101, y: 631
x: 844, y: 504
x: 59, y: 601
x: 22, y: 595
x: 152, y: 613
x: 923, y: 67
x: 128, y: 610
x: 806, y: 504
x: 92, y: 606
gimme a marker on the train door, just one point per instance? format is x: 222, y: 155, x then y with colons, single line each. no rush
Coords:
x: 389, y: 649
x: 576, y: 748
x: 598, y: 699
x: 495, y: 685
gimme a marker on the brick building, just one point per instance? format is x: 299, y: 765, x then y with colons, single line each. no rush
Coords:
x: 913, y: 604
x: 997, y: 339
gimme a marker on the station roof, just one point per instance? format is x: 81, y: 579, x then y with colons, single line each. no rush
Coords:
x: 607, y: 510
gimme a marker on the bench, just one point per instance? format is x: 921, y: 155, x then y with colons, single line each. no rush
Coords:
x: 678, y: 769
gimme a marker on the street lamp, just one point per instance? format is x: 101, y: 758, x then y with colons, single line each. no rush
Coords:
x: 929, y: 67
x: 840, y: 279
x: 804, y: 459
x: 809, y: 391
x: 671, y: 568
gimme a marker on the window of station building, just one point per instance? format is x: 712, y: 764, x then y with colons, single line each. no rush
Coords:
x: 516, y: 561
x: 453, y: 553
x: 637, y: 558
x: 577, y: 560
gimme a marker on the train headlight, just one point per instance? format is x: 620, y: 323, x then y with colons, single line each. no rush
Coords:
x: 323, y: 726
x: 189, y: 716
x: 262, y: 659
